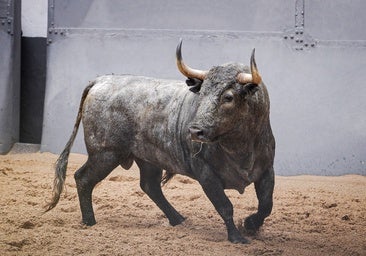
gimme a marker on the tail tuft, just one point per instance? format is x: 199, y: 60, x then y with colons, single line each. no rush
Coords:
x: 59, y: 181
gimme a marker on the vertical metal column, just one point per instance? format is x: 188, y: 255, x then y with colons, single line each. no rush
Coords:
x: 10, y: 33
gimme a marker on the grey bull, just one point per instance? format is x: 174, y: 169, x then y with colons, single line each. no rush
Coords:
x: 216, y: 130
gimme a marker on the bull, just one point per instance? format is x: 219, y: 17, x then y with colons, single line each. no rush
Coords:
x: 216, y: 131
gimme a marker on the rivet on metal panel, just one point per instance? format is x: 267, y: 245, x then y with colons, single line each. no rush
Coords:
x: 300, y: 40
x: 299, y: 9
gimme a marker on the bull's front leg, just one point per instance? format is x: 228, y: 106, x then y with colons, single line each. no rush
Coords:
x: 214, y: 190
x: 264, y: 190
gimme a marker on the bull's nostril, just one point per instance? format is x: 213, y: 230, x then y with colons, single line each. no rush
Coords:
x: 196, y: 132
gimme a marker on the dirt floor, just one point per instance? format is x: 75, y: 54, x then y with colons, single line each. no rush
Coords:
x: 312, y: 215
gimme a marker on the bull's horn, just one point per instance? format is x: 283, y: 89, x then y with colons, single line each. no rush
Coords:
x: 184, y: 69
x: 255, y: 77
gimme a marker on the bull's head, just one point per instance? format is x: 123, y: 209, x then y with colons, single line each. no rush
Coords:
x: 226, y: 95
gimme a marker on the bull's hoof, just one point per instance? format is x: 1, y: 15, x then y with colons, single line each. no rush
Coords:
x: 252, y: 224
x: 235, y: 237
x: 89, y: 223
x: 177, y: 221
x: 239, y: 240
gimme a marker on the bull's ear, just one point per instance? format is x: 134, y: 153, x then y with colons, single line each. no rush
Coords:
x: 248, y: 89
x: 194, y: 84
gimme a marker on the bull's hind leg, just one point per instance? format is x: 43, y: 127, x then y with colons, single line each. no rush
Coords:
x: 150, y: 180
x: 97, y: 167
x: 264, y: 190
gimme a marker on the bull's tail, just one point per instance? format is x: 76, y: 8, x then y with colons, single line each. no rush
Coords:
x: 61, y: 163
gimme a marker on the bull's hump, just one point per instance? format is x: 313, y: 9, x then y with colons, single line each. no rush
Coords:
x: 138, y: 89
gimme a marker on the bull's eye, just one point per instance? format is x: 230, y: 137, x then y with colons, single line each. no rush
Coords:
x: 228, y: 97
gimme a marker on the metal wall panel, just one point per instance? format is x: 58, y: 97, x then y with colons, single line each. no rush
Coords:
x: 231, y: 15
x: 9, y: 73
x: 314, y: 77
x: 336, y: 20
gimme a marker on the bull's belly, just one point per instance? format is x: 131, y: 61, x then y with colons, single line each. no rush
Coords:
x: 169, y: 158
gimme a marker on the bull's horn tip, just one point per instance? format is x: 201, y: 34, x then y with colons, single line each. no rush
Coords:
x: 179, y: 51
x: 257, y: 79
x: 252, y: 57
x: 253, y: 63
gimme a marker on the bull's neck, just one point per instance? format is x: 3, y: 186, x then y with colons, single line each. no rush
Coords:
x: 237, y: 145
x: 245, y: 137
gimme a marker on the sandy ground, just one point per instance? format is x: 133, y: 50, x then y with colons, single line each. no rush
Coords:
x: 311, y: 216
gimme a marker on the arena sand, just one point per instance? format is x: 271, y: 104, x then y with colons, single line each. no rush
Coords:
x: 312, y: 215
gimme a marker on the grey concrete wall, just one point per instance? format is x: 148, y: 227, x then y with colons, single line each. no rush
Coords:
x: 311, y: 55
x: 9, y: 73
